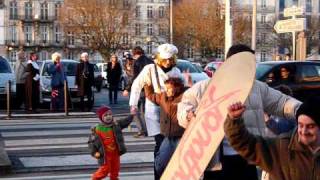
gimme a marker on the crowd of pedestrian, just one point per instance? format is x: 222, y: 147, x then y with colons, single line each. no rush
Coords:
x: 253, y: 129
x: 271, y: 131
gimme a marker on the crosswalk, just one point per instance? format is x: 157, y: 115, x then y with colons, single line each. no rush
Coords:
x: 39, y: 146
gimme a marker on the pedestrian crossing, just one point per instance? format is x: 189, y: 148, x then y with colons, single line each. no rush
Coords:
x: 46, y: 143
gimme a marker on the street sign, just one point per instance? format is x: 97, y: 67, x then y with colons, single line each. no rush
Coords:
x: 290, y: 25
x: 293, y: 11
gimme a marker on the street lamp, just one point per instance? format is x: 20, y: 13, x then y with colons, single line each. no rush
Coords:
x: 228, y: 28
x: 171, y: 21
x: 254, y: 25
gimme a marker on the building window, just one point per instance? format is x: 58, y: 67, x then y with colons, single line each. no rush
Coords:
x: 28, y: 34
x: 13, y: 10
x: 12, y: 56
x: 190, y: 52
x: 57, y: 7
x: 13, y: 33
x: 162, y: 31
x: 113, y: 2
x: 161, y: 12
x: 44, y: 11
x: 44, y: 55
x: 263, y: 56
x: 149, y: 47
x: 125, y: 3
x: 149, y: 29
x: 125, y: 39
x: 27, y: 10
x: 70, y: 55
x: 263, y: 4
x: 125, y: 19
x: 308, y: 5
x: 263, y: 37
x: 70, y: 38
x: 44, y: 34
x: 138, y: 29
x: 149, y: 12
x: 263, y: 19
x: 57, y: 34
x: 85, y: 39
x: 138, y: 11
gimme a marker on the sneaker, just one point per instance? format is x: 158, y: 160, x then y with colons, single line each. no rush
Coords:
x: 139, y: 135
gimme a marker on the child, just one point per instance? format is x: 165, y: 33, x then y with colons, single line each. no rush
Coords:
x: 169, y: 126
x: 107, y: 144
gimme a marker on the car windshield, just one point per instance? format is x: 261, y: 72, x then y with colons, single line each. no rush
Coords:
x: 187, y: 66
x: 4, y: 66
x: 262, y: 69
x: 69, y: 68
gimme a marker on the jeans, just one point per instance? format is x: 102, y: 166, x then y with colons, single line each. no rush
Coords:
x: 167, y: 148
x: 158, y: 139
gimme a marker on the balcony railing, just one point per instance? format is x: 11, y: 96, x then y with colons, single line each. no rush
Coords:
x: 33, y: 43
x: 44, y: 19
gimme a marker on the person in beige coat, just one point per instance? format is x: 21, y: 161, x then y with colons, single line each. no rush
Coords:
x: 21, y: 75
x: 261, y: 99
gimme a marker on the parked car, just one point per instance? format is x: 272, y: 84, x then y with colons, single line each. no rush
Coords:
x: 303, y: 76
x: 70, y: 67
x: 198, y: 65
x: 187, y: 66
x: 6, y: 74
x: 212, y: 67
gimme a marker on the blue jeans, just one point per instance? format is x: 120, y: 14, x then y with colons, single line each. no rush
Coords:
x: 167, y: 148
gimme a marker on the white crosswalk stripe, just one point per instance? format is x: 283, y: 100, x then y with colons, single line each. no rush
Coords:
x: 38, y: 144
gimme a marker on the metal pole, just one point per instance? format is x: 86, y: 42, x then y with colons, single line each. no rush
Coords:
x: 254, y: 25
x: 293, y: 45
x: 9, y: 99
x: 65, y: 98
x: 228, y: 28
x: 171, y: 21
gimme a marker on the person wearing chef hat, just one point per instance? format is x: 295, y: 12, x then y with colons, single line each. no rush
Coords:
x: 155, y: 74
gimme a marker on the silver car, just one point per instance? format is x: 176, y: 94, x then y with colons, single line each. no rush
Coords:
x: 6, y: 74
x: 70, y: 67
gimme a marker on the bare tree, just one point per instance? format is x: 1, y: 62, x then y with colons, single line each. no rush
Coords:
x: 98, y: 24
x: 200, y: 24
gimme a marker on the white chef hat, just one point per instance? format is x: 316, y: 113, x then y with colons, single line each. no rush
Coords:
x: 167, y: 51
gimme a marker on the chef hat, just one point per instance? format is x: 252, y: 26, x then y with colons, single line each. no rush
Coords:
x: 167, y: 51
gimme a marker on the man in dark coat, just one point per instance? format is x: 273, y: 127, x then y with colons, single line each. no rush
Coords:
x: 140, y: 61
x: 32, y: 83
x: 85, y: 80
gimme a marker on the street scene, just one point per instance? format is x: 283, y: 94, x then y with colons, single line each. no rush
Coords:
x: 160, y: 89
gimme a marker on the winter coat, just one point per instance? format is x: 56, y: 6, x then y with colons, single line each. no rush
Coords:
x: 152, y: 111
x: 32, y: 85
x: 138, y: 65
x: 169, y: 126
x: 114, y: 75
x: 21, y: 72
x: 84, y: 77
x: 261, y: 99
x: 57, y: 76
x: 95, y: 141
x: 283, y: 158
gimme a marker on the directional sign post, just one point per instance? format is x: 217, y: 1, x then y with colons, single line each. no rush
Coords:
x: 292, y: 25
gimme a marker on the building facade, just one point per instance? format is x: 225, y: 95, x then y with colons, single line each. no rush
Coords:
x: 33, y: 25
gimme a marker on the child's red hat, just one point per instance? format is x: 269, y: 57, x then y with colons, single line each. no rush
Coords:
x: 102, y: 110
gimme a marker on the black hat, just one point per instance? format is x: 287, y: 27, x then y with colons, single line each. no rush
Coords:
x: 311, y: 108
